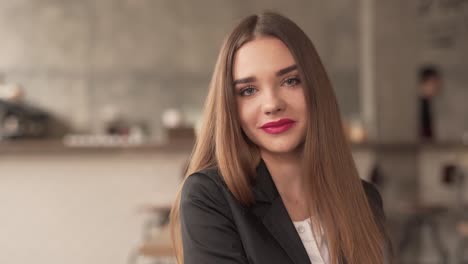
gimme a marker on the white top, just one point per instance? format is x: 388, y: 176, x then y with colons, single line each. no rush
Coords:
x: 317, y: 255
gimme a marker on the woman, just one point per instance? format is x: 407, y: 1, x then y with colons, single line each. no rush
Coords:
x: 271, y: 178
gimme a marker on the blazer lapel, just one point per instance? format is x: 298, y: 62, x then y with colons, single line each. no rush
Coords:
x: 270, y: 208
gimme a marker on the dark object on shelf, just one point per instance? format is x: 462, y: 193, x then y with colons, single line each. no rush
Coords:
x: 453, y: 176
x: 430, y: 82
x: 425, y: 115
x: 18, y: 120
x: 119, y: 127
x: 180, y: 133
x: 448, y: 173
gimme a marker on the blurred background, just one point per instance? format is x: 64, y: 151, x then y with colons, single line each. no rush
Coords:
x: 100, y: 101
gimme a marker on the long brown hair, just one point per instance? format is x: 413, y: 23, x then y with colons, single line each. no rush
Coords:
x: 334, y: 190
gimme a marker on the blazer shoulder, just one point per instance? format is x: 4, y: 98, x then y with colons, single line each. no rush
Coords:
x: 375, y: 200
x: 204, y: 184
x: 372, y: 193
x: 208, y: 228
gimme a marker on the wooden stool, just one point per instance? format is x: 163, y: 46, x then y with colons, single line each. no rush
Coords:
x: 423, y: 216
x: 159, y: 250
x: 157, y: 243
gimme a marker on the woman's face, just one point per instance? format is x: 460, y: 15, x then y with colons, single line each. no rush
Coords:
x: 268, y: 89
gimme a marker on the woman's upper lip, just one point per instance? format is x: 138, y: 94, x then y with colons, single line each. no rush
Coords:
x: 280, y: 122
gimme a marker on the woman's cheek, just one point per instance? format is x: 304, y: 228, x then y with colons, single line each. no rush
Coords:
x: 247, y: 124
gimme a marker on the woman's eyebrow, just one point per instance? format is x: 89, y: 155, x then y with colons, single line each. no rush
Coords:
x: 278, y: 73
x: 286, y: 70
x: 244, y: 80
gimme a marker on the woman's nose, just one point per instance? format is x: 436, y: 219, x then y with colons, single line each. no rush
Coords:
x: 273, y: 103
x: 273, y: 111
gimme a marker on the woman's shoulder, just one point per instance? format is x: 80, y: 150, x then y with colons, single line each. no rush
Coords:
x: 372, y: 193
x: 204, y: 191
x: 375, y: 200
x: 203, y: 184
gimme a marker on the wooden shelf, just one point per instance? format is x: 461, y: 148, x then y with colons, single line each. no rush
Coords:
x: 411, y: 146
x: 56, y: 146
x: 151, y: 250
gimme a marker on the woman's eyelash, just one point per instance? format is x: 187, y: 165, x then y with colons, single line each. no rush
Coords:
x: 241, y: 93
x: 295, y: 79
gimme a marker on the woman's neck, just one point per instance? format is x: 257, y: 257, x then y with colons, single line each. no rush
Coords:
x: 286, y: 172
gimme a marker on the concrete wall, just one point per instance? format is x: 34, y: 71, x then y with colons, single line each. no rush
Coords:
x: 74, y: 57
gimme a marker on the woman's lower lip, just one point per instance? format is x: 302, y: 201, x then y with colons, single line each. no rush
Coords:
x: 278, y: 129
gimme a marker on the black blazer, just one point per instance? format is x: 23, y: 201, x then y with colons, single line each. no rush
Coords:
x: 217, y: 229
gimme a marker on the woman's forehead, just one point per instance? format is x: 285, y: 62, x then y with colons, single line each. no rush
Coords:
x: 263, y: 55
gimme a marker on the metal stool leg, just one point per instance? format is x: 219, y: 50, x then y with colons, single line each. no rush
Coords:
x: 461, y: 252
x: 415, y: 223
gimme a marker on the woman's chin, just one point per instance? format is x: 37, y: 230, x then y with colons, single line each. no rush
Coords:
x: 281, y: 148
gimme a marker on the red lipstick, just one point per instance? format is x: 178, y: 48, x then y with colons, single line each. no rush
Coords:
x: 279, y: 126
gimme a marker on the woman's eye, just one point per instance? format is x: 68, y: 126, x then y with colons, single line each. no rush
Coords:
x: 292, y: 81
x: 247, y: 91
